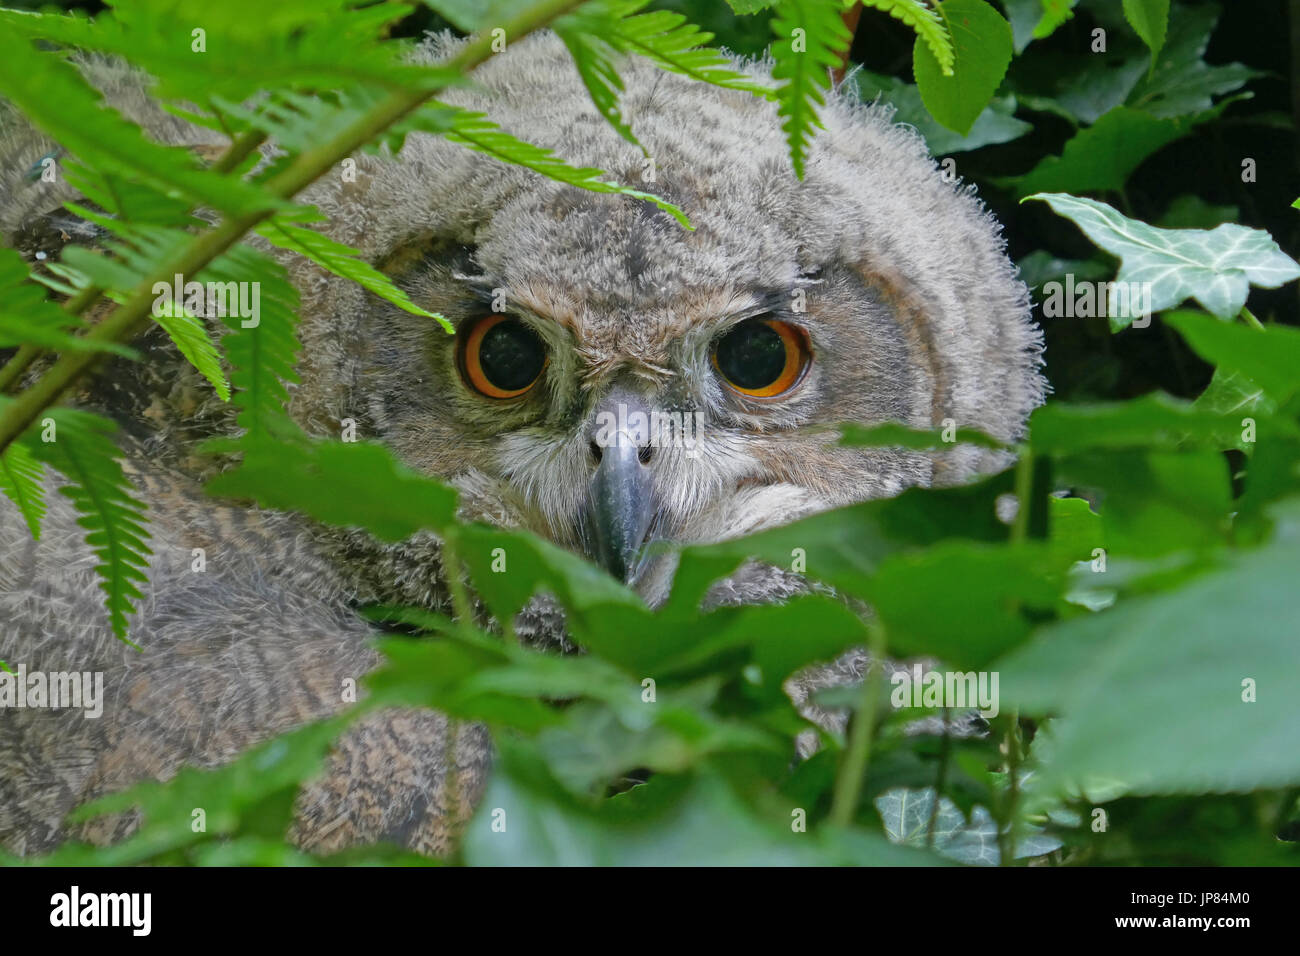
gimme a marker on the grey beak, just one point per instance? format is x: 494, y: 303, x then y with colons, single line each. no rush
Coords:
x: 620, y: 499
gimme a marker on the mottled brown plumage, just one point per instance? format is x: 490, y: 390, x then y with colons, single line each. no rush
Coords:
x: 911, y: 308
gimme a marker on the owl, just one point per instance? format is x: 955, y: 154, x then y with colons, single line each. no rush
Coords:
x: 588, y: 327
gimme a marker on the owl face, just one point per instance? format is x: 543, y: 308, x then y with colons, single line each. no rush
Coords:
x: 617, y: 380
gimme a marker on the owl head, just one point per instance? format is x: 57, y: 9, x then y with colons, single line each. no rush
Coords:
x: 616, y: 379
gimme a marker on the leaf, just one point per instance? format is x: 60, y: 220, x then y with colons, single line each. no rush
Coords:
x: 1150, y: 19
x: 21, y: 482
x: 1269, y: 358
x: 101, y: 138
x: 28, y: 317
x: 996, y: 124
x: 906, y: 815
x: 191, y: 337
x: 810, y: 40
x: 893, y: 434
x: 479, y: 133
x: 1139, y: 682
x: 345, y: 484
x: 84, y: 453
x: 1152, y: 422
x: 1055, y: 12
x: 928, y: 26
x: 1215, y: 267
x: 1102, y: 157
x: 983, y: 49
x: 342, y: 260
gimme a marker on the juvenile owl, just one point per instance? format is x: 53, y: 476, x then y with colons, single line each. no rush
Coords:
x: 873, y: 290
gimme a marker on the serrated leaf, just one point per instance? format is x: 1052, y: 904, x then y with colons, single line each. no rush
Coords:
x: 1150, y: 20
x: 982, y: 47
x: 21, y: 481
x: 191, y: 337
x: 926, y: 24
x: 1215, y: 267
x: 1055, y: 12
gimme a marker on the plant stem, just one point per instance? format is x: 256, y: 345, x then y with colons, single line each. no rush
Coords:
x: 1251, y: 320
x: 857, y: 757
x: 130, y: 318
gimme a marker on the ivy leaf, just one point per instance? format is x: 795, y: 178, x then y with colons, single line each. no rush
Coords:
x: 1150, y: 20
x: 983, y: 50
x: 810, y: 39
x: 906, y: 815
x: 20, y: 481
x: 1215, y: 267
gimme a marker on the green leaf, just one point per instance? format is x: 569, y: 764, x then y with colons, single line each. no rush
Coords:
x: 1156, y: 421
x: 479, y: 133
x: 892, y: 434
x: 983, y: 50
x: 1055, y: 12
x: 84, y: 453
x: 1136, y: 683
x: 810, y: 40
x: 28, y: 317
x: 997, y: 124
x: 21, y: 478
x: 342, y: 260
x: 907, y: 817
x: 191, y: 337
x: 1215, y: 267
x: 353, y: 484
x: 1150, y: 19
x: 1102, y: 157
x: 928, y: 26
x: 1269, y: 359
x: 102, y: 139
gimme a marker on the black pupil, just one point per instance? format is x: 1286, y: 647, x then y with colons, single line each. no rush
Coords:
x: 752, y: 355
x: 511, y: 356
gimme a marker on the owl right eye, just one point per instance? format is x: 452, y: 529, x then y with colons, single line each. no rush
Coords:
x: 501, y: 357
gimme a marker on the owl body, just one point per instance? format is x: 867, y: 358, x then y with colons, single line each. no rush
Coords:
x: 887, y: 284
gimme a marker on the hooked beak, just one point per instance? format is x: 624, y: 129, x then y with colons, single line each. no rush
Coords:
x: 620, y: 505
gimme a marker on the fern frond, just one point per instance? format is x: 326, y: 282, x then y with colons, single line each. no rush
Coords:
x: 811, y: 38
x: 84, y: 453
x: 20, y: 481
x: 479, y: 133
x: 681, y: 47
x: 102, y: 138
x: 191, y: 337
x: 594, y: 59
x: 342, y: 260
x: 925, y: 23
x: 27, y: 317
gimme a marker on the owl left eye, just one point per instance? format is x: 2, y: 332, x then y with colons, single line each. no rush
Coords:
x: 762, y: 358
x: 501, y: 357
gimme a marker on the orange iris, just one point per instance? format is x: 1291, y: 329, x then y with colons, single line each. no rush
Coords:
x: 762, y: 358
x: 501, y: 357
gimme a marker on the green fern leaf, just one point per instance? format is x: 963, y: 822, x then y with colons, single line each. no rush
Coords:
x: 810, y: 41
x: 83, y: 451
x: 28, y: 317
x: 20, y: 481
x: 479, y: 133
x: 102, y: 138
x: 681, y: 47
x: 925, y: 23
x: 191, y: 338
x: 341, y: 260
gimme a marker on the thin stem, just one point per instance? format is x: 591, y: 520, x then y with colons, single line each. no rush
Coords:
x: 857, y: 757
x: 130, y: 318
x: 1249, y: 316
x: 940, y: 780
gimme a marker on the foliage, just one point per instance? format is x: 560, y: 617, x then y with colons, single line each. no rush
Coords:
x: 1137, y: 606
